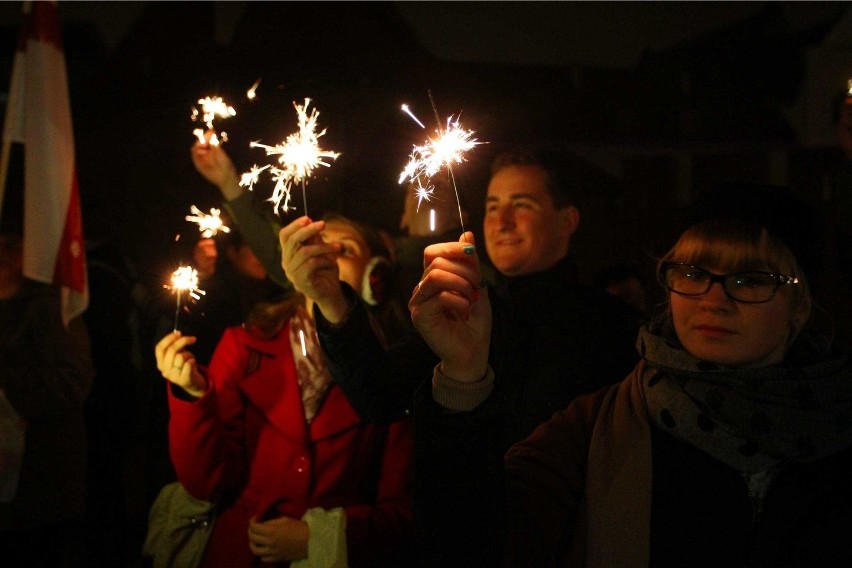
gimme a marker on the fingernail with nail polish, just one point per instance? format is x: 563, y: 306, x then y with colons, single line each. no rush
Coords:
x: 469, y: 249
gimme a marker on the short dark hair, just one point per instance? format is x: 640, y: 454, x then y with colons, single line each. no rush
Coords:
x: 555, y: 166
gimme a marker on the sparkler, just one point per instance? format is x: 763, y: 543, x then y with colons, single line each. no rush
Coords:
x: 251, y: 94
x: 298, y: 155
x: 211, y: 107
x: 442, y: 151
x: 184, y: 279
x: 208, y: 224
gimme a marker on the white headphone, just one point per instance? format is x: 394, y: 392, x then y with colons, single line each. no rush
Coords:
x: 375, y: 281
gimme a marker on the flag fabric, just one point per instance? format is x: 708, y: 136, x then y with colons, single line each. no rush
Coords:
x: 38, y: 115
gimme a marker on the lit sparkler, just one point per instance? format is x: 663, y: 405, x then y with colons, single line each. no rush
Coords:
x: 251, y: 94
x: 208, y: 224
x: 423, y: 193
x: 298, y: 156
x: 212, y: 107
x: 448, y: 147
x: 184, y: 279
x: 407, y: 111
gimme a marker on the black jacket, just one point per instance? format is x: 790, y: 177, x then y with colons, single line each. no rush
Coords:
x: 552, y: 340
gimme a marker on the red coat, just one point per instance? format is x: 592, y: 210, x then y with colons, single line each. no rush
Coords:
x: 247, y: 441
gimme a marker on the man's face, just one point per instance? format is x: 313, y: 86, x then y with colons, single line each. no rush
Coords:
x: 524, y: 232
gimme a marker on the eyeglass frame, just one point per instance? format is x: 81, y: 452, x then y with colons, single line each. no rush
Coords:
x: 780, y: 280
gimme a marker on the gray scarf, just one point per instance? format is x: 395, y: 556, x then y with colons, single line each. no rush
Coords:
x: 750, y: 419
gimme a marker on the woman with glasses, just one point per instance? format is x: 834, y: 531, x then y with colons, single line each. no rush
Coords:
x: 729, y: 443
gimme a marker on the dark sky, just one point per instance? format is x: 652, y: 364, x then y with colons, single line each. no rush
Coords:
x: 570, y: 75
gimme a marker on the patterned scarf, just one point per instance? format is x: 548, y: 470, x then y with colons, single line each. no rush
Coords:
x: 314, y: 376
x: 750, y: 419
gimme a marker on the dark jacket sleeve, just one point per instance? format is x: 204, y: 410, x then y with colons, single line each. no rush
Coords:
x: 379, y: 383
x: 458, y: 490
x: 545, y: 487
x: 261, y: 234
x: 475, y: 507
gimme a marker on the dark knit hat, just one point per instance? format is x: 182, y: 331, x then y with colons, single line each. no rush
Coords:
x: 794, y: 222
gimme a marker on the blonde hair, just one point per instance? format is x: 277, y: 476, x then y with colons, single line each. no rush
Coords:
x: 734, y: 246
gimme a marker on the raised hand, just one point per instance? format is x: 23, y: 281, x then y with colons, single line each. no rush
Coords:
x: 311, y: 265
x: 177, y: 364
x: 216, y: 166
x: 450, y: 308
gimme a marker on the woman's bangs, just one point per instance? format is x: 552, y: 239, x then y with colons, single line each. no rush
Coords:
x: 731, y: 249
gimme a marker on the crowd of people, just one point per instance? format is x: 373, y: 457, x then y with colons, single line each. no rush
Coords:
x: 509, y: 414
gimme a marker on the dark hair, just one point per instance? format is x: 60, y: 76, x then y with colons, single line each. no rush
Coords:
x: 556, y: 167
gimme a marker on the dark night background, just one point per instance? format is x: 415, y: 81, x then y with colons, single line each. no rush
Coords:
x: 654, y: 101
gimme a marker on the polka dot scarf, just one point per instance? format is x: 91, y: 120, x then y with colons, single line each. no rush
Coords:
x: 750, y: 419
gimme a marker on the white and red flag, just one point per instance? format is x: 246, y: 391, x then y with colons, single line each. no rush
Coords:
x: 38, y: 115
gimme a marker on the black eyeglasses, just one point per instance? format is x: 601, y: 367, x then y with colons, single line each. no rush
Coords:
x: 752, y: 287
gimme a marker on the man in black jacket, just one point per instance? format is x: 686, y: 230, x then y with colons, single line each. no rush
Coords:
x: 546, y: 326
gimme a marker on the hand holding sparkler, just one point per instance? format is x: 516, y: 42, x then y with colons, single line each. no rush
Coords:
x: 177, y: 364
x: 451, y: 311
x: 311, y: 265
x: 214, y: 164
x: 298, y: 155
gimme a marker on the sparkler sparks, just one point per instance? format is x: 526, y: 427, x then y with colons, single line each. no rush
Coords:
x: 211, y: 107
x: 298, y: 156
x: 251, y: 94
x: 423, y: 193
x: 444, y: 150
x: 250, y: 178
x: 407, y: 111
x: 208, y: 224
x: 441, y: 151
x: 184, y: 280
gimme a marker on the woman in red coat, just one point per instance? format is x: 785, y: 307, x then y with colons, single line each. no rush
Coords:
x: 265, y: 433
